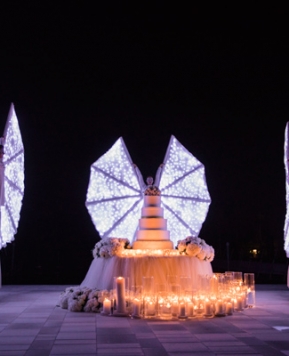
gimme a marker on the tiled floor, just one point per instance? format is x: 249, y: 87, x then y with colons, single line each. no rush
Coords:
x: 32, y: 324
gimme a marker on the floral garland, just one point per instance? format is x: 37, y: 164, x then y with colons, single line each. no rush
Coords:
x: 110, y: 246
x: 194, y: 246
x: 78, y: 299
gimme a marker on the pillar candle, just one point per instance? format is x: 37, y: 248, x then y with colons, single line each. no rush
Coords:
x: 175, y: 308
x: 239, y: 303
x: 150, y: 308
x: 106, y: 306
x: 229, y: 308
x: 182, y: 310
x: 208, y: 307
x: 136, y: 307
x: 120, y: 295
x: 220, y: 307
x: 191, y: 309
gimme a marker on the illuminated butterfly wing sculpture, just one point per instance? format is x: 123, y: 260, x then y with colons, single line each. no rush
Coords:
x: 115, y: 192
x: 13, y: 183
x: 286, y: 163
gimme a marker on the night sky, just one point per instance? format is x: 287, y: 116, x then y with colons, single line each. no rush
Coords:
x: 81, y: 77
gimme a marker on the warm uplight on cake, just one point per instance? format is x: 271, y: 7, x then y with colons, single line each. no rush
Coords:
x: 152, y: 233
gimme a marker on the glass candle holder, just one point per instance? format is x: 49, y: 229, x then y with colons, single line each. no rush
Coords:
x: 136, y: 308
x: 249, y: 284
x: 148, y: 285
x: 185, y: 283
x: 182, y: 314
x: 239, y: 302
x: 191, y: 309
x: 173, y: 284
x: 229, y: 307
x: 199, y: 305
x: 220, y: 307
x: 175, y: 306
x: 149, y: 306
x: 149, y: 297
x: 164, y: 306
x: 112, y: 297
x: 238, y: 278
x: 214, y: 283
x: 208, y: 308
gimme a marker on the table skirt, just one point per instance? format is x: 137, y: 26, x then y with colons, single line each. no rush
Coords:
x: 102, y: 270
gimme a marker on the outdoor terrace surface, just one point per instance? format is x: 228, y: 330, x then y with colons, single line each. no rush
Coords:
x: 32, y: 324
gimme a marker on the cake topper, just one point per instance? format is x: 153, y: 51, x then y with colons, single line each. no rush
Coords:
x: 150, y: 180
x: 151, y: 189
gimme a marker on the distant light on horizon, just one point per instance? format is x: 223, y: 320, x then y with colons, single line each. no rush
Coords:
x: 254, y: 252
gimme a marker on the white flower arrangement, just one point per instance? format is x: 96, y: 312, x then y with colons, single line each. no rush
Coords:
x: 78, y: 299
x: 194, y: 246
x: 110, y: 246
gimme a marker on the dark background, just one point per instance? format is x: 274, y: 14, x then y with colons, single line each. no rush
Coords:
x: 82, y: 76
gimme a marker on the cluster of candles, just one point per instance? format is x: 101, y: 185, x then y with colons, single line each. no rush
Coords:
x: 218, y: 295
x: 142, y: 253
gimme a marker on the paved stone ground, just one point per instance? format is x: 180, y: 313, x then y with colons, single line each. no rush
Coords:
x: 32, y: 324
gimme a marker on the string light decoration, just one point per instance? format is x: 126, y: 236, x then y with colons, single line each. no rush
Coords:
x: 185, y: 196
x: 13, y: 179
x: 115, y: 197
x: 286, y: 163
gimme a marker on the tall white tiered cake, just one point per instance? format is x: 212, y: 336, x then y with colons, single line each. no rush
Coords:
x: 152, y: 233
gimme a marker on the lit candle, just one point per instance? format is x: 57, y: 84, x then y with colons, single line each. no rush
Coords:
x: 166, y: 308
x: 229, y: 308
x: 136, y: 307
x: 191, y: 309
x: 182, y: 310
x: 175, y: 309
x: 250, y: 298
x: 220, y: 307
x: 208, y: 307
x: 244, y: 300
x: 120, y: 295
x: 151, y: 308
x: 106, y: 306
x: 239, y: 303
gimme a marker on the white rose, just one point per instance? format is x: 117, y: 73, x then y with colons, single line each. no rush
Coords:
x: 181, y: 246
x: 193, y: 249
x: 202, y: 254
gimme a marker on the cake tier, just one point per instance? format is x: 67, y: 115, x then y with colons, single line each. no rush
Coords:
x: 152, y: 212
x: 152, y: 223
x: 153, y: 245
x: 152, y: 200
x: 149, y: 235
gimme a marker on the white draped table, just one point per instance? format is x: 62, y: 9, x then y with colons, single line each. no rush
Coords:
x: 102, y: 270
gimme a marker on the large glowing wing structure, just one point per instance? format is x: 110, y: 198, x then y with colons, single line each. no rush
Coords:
x: 184, y: 192
x: 114, y: 196
x: 13, y: 179
x: 286, y: 163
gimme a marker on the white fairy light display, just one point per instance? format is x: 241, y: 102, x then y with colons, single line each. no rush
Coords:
x: 115, y: 192
x: 286, y: 162
x: 185, y: 196
x: 11, y: 180
x: 286, y: 225
x: 114, y: 196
